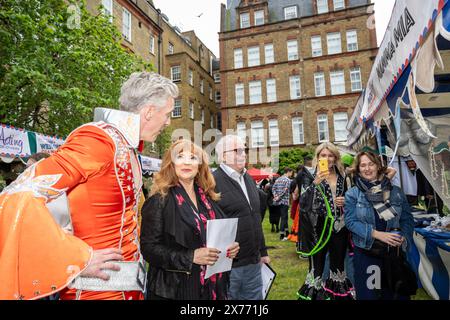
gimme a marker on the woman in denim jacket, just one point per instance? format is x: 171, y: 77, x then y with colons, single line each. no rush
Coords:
x: 373, y: 208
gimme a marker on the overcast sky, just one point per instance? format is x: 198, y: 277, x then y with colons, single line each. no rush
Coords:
x: 184, y: 14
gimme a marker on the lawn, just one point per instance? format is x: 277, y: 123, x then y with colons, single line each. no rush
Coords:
x: 291, y: 271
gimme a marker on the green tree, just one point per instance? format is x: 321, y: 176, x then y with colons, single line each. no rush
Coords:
x: 163, y: 141
x: 57, y: 63
x: 292, y: 158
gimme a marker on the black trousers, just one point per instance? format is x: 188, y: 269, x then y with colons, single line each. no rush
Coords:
x: 337, y: 248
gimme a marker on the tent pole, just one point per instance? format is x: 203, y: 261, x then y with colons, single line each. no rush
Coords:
x: 400, y: 172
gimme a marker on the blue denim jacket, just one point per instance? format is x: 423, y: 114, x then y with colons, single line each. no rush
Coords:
x: 360, y: 220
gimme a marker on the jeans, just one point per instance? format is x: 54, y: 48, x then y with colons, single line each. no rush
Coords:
x: 246, y: 283
x: 284, y: 224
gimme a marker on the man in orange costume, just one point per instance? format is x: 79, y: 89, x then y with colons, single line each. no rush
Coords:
x: 71, y: 219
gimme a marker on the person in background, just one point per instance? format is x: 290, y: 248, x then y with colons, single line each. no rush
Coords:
x: 174, y: 218
x: 240, y: 199
x: 327, y: 187
x: 36, y: 157
x: 274, y: 214
x: 373, y: 209
x: 281, y: 192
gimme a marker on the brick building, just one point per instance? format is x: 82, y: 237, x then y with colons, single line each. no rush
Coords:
x: 292, y: 70
x: 180, y: 56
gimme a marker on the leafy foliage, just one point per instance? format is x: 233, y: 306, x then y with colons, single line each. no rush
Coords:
x: 292, y: 158
x: 57, y: 63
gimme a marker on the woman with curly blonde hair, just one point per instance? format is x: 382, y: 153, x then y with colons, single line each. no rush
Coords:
x: 174, y: 218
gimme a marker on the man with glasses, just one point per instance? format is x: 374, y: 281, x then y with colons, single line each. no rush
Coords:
x: 240, y: 199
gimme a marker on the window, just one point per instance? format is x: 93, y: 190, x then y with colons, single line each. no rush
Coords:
x: 152, y: 44
x: 253, y: 56
x: 218, y: 98
x: 191, y: 110
x: 271, y: 87
x: 210, y: 92
x: 171, y: 49
x: 176, y: 112
x: 191, y: 77
x: 355, y: 79
x: 319, y: 84
x: 337, y: 82
x: 294, y: 85
x: 241, y: 130
x: 268, y: 53
x: 274, y: 139
x: 255, y: 92
x: 211, y: 120
x: 322, y: 6
x: 240, y: 93
x: 292, y: 50
x: 338, y: 4
x: 322, y: 125
x: 257, y: 134
x: 202, y: 87
x: 259, y: 17
x: 217, y: 77
x: 340, y: 126
x: 238, y: 61
x: 176, y: 73
x: 334, y: 43
x: 316, y: 46
x: 298, y: 136
x: 290, y: 12
x: 126, y: 24
x: 352, y: 40
x: 245, y: 20
x: 203, y: 116
x: 108, y: 9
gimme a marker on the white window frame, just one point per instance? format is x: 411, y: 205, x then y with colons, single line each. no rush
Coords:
x: 274, y: 133
x: 171, y: 48
x: 108, y: 9
x: 172, y: 73
x: 176, y: 112
x: 298, y: 132
x: 323, y: 118
x: 239, y: 92
x: 337, y: 82
x: 316, y: 46
x: 259, y: 17
x: 355, y: 79
x: 244, y: 23
x: 295, y: 91
x: 211, y: 120
x: 203, y: 115
x: 319, y: 84
x: 334, y: 44
x: 238, y: 58
x: 253, y: 56
x: 126, y: 24
x: 191, y: 77
x: 290, y: 12
x: 255, y: 92
x: 191, y: 110
x: 210, y: 92
x: 272, y: 92
x: 340, y: 120
x: 152, y: 44
x: 322, y: 6
x: 217, y: 97
x: 292, y: 49
x: 257, y: 134
x: 269, y: 55
x: 352, y: 40
x: 217, y: 77
x: 202, y: 86
x: 241, y: 130
x: 338, y: 5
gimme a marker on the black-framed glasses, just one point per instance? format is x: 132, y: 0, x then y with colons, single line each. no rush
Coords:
x: 237, y: 150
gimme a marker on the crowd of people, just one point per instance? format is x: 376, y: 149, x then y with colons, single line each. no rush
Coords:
x: 76, y: 215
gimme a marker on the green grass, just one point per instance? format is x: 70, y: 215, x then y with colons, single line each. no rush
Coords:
x: 291, y: 271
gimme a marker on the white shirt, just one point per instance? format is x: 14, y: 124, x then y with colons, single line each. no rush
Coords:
x: 236, y: 176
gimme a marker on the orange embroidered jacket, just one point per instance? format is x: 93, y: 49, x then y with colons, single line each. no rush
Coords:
x: 100, y: 173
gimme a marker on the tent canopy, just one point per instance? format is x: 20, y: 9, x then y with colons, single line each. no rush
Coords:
x: 258, y: 174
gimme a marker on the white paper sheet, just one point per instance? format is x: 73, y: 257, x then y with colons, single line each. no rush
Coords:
x: 220, y: 234
x: 267, y: 275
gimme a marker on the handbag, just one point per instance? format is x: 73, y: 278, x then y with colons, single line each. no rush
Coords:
x: 400, y: 277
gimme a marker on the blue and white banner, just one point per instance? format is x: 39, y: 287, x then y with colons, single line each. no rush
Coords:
x: 14, y: 142
x: 47, y: 144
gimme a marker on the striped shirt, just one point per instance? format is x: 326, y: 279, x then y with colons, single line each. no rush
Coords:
x: 281, y: 188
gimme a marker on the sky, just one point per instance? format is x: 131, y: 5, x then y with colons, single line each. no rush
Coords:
x: 203, y: 16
